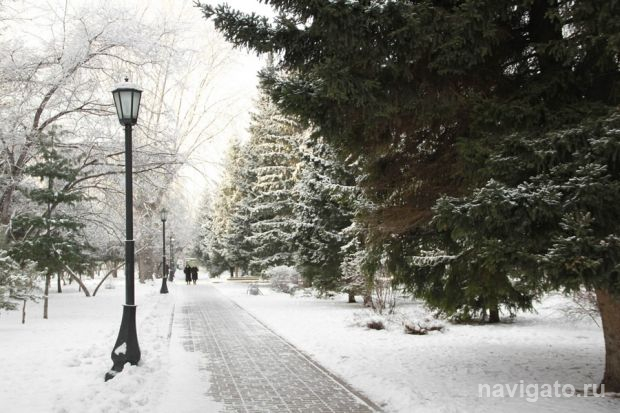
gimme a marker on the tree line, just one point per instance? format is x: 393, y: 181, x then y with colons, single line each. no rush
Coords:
x: 61, y: 146
x: 485, y: 133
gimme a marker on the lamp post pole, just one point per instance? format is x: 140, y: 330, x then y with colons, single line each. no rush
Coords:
x: 164, y: 286
x: 126, y: 349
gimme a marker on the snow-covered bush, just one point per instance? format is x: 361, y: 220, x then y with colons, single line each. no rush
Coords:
x: 383, y: 292
x: 422, y: 327
x: 17, y: 284
x: 371, y: 320
x: 283, y: 278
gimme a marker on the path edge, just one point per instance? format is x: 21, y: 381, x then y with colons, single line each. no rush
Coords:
x: 311, y: 360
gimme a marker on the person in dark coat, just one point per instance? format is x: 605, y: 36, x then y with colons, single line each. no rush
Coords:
x: 194, y: 272
x: 188, y: 274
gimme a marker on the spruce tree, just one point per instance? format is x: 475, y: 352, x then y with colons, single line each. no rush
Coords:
x: 435, y: 92
x: 324, y: 207
x: 226, y: 226
x: 274, y: 140
x: 17, y: 282
x: 48, y: 233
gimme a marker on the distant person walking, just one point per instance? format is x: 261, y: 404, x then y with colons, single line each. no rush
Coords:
x: 188, y: 274
x: 194, y: 271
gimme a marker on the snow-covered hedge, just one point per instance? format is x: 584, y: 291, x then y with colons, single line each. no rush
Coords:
x: 283, y: 278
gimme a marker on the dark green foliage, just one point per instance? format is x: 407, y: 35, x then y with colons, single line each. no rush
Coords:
x: 442, y: 97
x: 558, y: 229
x: 49, y: 233
x: 400, y: 81
x: 325, y: 195
x: 274, y: 146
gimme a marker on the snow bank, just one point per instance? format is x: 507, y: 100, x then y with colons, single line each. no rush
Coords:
x: 58, y: 365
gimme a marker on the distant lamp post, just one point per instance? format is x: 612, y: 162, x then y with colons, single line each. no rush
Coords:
x: 126, y: 349
x: 172, y: 262
x: 164, y: 288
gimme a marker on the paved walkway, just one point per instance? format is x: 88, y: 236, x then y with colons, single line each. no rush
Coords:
x: 251, y: 368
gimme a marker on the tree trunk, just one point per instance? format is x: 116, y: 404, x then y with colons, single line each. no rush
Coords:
x: 59, y: 283
x: 609, y: 306
x: 48, y: 278
x: 232, y: 272
x: 494, y: 314
x: 351, y: 297
x: 5, y: 204
x: 24, y: 313
x: 143, y: 267
x: 113, y: 271
x: 367, y: 300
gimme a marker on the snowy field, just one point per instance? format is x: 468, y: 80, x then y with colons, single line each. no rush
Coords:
x: 57, y: 365
x: 440, y: 372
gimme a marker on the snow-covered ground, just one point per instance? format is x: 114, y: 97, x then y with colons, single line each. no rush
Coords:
x: 441, y: 372
x: 58, y: 365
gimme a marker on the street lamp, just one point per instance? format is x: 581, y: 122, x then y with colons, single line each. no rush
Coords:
x: 126, y: 349
x: 172, y: 263
x: 164, y: 288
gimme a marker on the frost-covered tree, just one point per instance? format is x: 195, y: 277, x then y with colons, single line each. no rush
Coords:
x: 18, y: 283
x: 274, y: 142
x: 225, y: 222
x: 355, y: 280
x: 473, y: 269
x: 60, y: 61
x: 556, y: 229
x: 324, y: 196
x: 61, y: 75
x: 432, y: 90
x: 50, y: 234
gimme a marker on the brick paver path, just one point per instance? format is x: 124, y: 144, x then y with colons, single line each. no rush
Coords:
x: 251, y: 368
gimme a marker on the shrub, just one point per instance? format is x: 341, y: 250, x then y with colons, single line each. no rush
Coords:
x: 422, y: 327
x: 283, y: 278
x: 375, y: 324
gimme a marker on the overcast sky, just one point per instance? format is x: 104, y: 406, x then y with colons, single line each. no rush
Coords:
x: 239, y: 80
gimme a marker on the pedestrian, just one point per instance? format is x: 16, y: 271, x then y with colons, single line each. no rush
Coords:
x: 188, y: 274
x: 171, y: 273
x: 194, y: 272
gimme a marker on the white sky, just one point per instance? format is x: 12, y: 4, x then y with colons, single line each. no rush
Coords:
x: 238, y: 80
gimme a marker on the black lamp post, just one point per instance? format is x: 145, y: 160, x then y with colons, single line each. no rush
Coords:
x: 164, y: 288
x: 172, y: 263
x: 126, y: 349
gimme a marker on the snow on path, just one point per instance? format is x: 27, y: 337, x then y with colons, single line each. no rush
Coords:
x: 58, y: 365
x: 252, y: 369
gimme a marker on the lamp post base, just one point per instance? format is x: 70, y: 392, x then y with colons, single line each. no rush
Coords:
x: 164, y: 286
x: 126, y: 349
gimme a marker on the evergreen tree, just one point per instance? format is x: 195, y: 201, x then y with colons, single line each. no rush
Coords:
x: 17, y: 282
x: 434, y: 92
x: 49, y: 234
x: 274, y: 140
x: 355, y: 279
x: 324, y: 206
x: 226, y: 225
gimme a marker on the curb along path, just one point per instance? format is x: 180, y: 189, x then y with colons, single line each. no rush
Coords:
x: 251, y: 368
